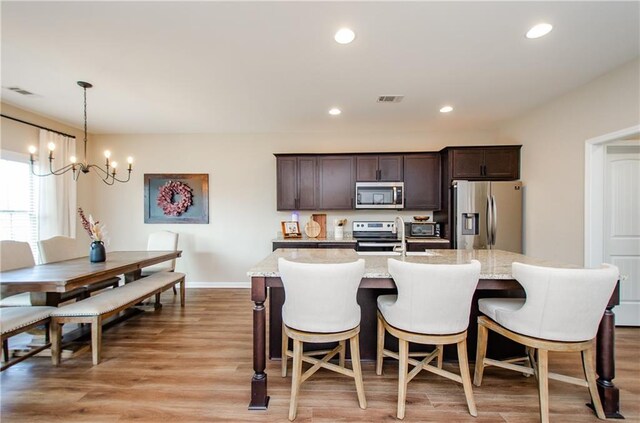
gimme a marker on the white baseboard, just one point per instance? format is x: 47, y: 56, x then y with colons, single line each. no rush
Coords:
x: 218, y: 284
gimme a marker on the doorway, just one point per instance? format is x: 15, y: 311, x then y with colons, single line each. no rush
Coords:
x: 612, y: 214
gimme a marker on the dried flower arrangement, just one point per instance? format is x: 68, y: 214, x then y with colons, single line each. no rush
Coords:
x: 340, y: 222
x: 96, y: 230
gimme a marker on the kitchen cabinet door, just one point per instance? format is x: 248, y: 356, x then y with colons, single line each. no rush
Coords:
x: 502, y: 163
x: 422, y: 181
x: 467, y: 163
x: 485, y: 163
x: 297, y: 183
x: 367, y: 168
x: 337, y: 176
x: 307, y: 186
x: 390, y: 168
x: 287, y: 182
x: 382, y: 168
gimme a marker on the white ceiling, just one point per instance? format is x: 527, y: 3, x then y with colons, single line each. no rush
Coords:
x: 203, y: 67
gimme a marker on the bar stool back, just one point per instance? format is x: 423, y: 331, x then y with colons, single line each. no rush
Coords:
x: 562, y: 312
x: 432, y: 307
x: 320, y: 306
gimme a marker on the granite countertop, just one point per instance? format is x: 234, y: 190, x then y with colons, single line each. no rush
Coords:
x: 496, y: 264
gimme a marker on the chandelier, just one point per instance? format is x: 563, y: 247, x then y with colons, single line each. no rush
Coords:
x: 108, y: 174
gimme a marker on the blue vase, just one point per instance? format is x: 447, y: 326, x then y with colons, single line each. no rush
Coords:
x: 97, y: 253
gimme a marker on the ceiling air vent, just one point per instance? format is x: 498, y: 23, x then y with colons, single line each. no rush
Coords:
x: 390, y: 98
x: 20, y: 91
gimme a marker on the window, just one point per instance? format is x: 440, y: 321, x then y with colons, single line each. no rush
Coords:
x: 19, y: 201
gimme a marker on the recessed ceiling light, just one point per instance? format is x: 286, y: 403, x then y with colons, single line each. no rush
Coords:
x: 539, y: 30
x: 335, y: 111
x: 446, y: 109
x: 344, y: 36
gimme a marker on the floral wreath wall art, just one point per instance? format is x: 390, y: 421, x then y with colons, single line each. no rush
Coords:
x: 176, y: 198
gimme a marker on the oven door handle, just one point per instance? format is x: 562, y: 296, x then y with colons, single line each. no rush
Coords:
x: 378, y: 244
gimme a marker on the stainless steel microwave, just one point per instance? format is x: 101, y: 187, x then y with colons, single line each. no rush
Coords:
x: 379, y: 195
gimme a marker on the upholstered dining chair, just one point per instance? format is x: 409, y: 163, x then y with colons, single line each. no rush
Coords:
x: 162, y: 241
x: 15, y: 255
x: 60, y: 248
x: 432, y: 307
x: 320, y: 306
x: 561, y: 313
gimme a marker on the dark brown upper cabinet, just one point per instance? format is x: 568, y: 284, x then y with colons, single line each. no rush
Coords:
x: 297, y: 183
x: 384, y: 167
x: 422, y: 181
x: 336, y: 182
x: 485, y: 163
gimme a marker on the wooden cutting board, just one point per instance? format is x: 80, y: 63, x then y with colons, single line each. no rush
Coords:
x: 321, y: 219
x: 312, y: 228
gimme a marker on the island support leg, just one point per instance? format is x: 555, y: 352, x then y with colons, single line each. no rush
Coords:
x: 259, y: 397
x: 606, y: 360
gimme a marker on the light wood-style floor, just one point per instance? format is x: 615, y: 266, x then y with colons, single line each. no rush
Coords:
x: 195, y: 365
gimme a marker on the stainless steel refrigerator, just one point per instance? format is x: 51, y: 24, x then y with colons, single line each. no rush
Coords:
x: 487, y: 215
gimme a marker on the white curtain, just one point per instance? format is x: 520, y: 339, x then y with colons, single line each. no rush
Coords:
x: 57, y: 214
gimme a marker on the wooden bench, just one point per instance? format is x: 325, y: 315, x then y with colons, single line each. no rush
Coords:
x: 15, y: 320
x: 95, y: 309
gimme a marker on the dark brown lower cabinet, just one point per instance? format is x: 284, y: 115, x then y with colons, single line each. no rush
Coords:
x: 313, y: 244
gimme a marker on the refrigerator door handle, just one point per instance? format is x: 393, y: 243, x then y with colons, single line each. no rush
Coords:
x: 494, y: 225
x: 489, y: 222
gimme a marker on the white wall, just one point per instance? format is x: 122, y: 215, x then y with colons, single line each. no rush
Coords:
x: 242, y: 190
x: 553, y: 138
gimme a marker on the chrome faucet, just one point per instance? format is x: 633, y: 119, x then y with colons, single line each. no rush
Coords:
x: 403, y: 246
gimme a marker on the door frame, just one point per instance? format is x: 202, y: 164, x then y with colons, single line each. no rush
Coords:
x: 594, y: 167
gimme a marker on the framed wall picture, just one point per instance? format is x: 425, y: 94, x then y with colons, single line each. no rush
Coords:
x: 176, y: 198
x: 291, y: 229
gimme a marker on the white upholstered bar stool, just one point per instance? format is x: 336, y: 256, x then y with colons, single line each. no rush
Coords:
x: 162, y: 241
x: 432, y: 307
x: 60, y: 248
x: 561, y: 313
x: 320, y: 306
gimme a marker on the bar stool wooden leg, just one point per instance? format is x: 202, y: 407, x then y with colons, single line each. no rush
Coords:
x: 285, y: 347
x: 543, y: 384
x: 296, y: 376
x: 481, y: 353
x: 466, y: 377
x: 590, y: 375
x: 440, y: 355
x: 357, y: 369
x: 343, y: 352
x: 380, y: 347
x: 403, y: 367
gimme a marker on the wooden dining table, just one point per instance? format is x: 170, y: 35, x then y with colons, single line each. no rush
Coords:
x: 47, y: 282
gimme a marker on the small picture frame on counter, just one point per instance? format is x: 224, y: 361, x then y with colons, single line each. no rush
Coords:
x: 291, y: 229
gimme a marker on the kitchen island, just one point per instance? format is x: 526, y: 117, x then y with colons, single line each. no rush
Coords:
x: 495, y: 279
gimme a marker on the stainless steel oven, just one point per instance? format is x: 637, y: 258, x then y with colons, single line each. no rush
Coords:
x: 375, y: 235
